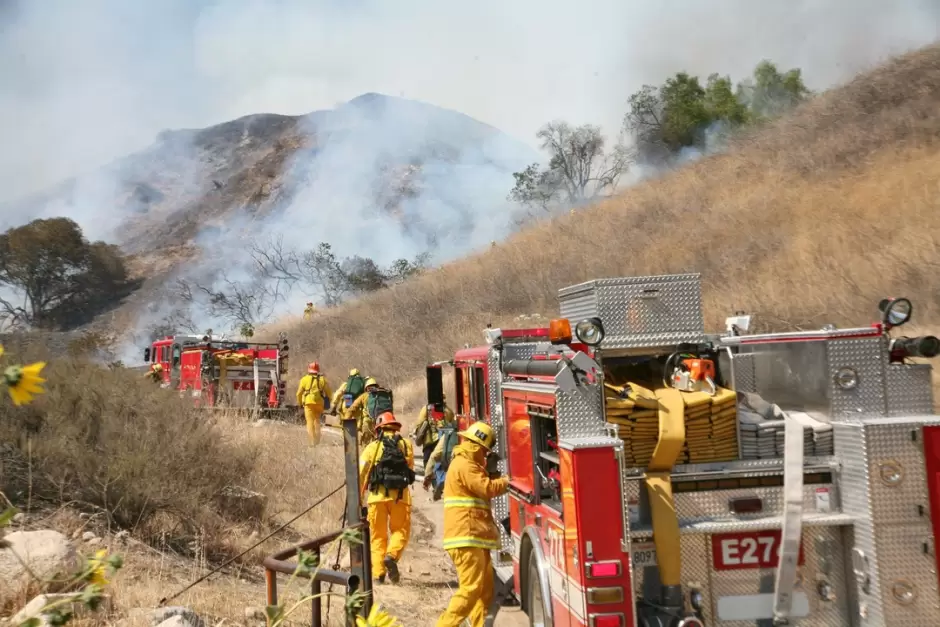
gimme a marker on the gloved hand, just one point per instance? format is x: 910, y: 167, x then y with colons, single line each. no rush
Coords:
x: 427, y: 482
x: 492, y: 459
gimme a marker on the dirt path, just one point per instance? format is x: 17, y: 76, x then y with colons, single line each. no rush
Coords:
x: 428, y: 576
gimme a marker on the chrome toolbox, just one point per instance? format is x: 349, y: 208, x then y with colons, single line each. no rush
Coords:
x: 639, y: 312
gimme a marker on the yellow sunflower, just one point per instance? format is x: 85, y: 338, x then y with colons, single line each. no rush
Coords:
x: 98, y: 568
x: 24, y: 382
x: 378, y: 618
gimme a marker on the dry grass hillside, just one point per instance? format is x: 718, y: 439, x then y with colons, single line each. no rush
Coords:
x: 808, y: 220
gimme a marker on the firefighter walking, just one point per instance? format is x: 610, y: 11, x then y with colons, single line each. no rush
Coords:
x: 469, y: 530
x: 351, y: 389
x: 427, y: 429
x: 313, y: 393
x: 436, y: 464
x: 371, y: 404
x: 386, y: 471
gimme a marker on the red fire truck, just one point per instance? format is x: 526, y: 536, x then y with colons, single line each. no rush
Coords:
x: 664, y: 477
x: 218, y: 372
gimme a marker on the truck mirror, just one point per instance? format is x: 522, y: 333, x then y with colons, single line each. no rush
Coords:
x: 146, y: 354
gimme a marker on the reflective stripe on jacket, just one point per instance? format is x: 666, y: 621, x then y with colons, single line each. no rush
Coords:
x: 468, y: 518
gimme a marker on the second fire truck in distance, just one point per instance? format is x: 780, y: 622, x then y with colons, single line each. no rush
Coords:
x: 664, y: 477
x: 221, y: 373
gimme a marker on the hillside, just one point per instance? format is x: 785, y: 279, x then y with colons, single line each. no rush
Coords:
x: 808, y: 220
x: 378, y: 176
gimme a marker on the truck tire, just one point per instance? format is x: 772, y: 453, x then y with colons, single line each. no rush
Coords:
x: 535, y: 604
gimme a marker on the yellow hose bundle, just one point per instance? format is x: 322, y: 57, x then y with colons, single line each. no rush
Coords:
x: 711, y: 433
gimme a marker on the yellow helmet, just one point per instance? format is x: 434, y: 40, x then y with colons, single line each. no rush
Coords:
x: 481, y: 433
x: 371, y: 381
x: 157, y: 367
x: 354, y: 372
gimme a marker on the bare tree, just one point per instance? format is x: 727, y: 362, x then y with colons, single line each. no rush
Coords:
x: 579, y: 168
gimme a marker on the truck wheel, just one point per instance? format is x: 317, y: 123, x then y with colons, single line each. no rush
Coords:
x: 534, y: 601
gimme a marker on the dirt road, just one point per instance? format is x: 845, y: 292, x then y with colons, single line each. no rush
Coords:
x: 428, y: 576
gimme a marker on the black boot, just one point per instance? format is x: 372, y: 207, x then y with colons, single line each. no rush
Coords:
x: 392, y: 567
x: 380, y: 578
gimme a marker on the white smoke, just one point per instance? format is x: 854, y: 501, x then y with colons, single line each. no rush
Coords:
x: 83, y: 83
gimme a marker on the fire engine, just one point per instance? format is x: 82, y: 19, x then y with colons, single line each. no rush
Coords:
x: 665, y: 477
x: 217, y: 372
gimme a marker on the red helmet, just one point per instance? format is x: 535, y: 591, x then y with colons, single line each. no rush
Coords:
x: 387, y: 420
x: 313, y: 368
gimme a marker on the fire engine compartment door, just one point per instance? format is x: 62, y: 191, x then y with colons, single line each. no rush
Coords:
x: 435, y: 384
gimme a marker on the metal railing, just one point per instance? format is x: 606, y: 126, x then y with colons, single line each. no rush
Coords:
x: 351, y: 582
x: 359, y: 577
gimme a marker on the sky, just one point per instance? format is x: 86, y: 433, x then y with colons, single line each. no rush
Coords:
x: 83, y: 82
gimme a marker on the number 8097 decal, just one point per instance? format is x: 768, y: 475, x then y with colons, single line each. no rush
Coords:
x: 755, y: 549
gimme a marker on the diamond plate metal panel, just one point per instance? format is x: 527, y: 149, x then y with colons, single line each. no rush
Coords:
x: 866, y: 357
x: 581, y: 415
x: 857, y: 502
x: 519, y: 350
x: 696, y: 558
x: 891, y: 448
x: 909, y: 388
x: 824, y: 551
x: 639, y: 311
x: 494, y: 392
x: 692, y: 507
x: 742, y: 373
x: 903, y: 560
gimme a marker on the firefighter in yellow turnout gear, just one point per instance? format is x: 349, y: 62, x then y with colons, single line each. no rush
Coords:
x: 470, y: 532
x: 312, y: 393
x: 427, y: 430
x: 386, y: 471
x: 360, y: 410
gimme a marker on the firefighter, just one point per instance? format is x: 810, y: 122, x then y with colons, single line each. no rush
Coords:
x: 374, y: 401
x: 351, y: 389
x: 313, y: 393
x: 155, y: 373
x: 386, y: 471
x: 469, y: 530
x: 427, y: 430
x: 309, y: 310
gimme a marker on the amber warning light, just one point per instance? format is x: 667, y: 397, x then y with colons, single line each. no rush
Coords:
x: 559, y: 331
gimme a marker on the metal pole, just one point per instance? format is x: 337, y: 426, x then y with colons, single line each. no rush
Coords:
x: 270, y: 580
x: 359, y: 554
x: 315, y: 605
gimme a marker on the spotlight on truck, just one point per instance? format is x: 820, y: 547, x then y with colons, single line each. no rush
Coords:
x: 590, y: 331
x: 895, y: 311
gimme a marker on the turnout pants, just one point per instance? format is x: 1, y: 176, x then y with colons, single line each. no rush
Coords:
x: 390, y: 527
x: 473, y: 597
x: 312, y: 416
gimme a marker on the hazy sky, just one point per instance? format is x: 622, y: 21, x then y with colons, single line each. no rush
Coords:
x: 85, y: 81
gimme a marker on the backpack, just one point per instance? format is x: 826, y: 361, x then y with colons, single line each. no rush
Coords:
x: 380, y: 401
x: 355, y: 386
x: 315, y: 388
x: 449, y: 435
x: 391, y: 471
